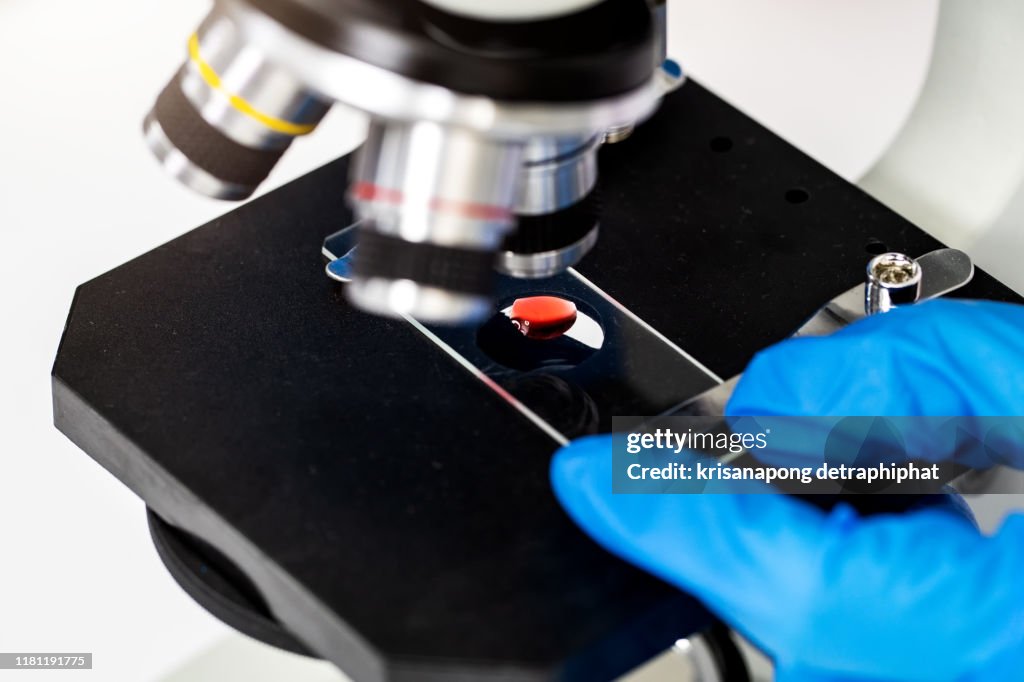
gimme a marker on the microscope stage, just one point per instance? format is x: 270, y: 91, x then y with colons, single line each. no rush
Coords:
x: 391, y: 509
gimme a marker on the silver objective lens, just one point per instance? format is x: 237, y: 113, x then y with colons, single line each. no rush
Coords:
x: 436, y: 202
x: 228, y: 115
x: 556, y: 212
x: 893, y: 279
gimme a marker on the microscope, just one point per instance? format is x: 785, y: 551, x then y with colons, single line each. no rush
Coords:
x: 485, y: 120
x: 353, y: 464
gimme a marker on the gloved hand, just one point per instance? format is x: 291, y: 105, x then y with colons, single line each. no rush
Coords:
x: 833, y: 595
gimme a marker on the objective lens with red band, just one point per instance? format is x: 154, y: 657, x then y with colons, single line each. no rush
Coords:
x: 365, y: 191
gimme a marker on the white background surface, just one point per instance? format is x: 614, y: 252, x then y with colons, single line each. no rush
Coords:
x: 79, y: 195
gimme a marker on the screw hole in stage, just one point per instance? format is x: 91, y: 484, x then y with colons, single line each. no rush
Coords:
x: 721, y: 144
x: 876, y: 247
x: 797, y: 195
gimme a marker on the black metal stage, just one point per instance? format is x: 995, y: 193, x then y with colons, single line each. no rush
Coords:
x: 390, y: 509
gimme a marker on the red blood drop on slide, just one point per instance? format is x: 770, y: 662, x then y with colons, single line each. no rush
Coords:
x: 543, y: 317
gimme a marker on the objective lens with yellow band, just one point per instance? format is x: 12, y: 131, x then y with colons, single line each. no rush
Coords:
x: 228, y: 115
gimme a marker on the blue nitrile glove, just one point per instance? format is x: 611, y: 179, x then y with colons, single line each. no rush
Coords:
x: 832, y: 595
